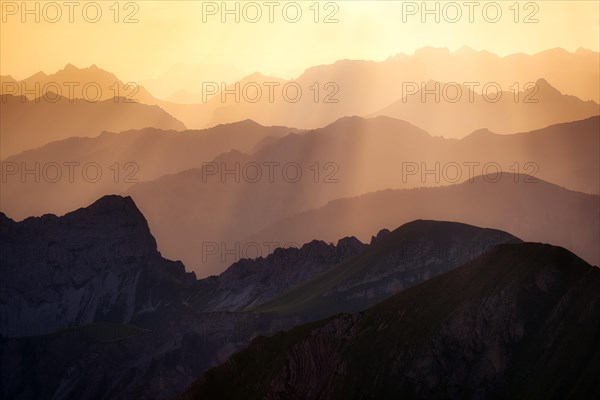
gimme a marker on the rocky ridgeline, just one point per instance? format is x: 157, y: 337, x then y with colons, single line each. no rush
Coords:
x: 252, y: 282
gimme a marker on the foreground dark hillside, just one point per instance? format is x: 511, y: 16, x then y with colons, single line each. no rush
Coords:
x: 521, y: 321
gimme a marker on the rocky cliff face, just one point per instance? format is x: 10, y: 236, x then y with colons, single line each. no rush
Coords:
x: 98, y: 263
x: 521, y: 321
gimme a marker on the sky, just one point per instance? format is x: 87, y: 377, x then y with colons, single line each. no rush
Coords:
x: 139, y: 40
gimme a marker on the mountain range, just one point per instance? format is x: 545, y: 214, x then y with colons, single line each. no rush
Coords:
x: 329, y: 92
x: 197, y: 202
x: 110, y: 303
x: 28, y: 124
x: 122, y: 159
x: 362, y: 156
x: 425, y: 226
x: 529, y: 210
x: 533, y: 107
x: 382, y: 84
x: 502, y: 326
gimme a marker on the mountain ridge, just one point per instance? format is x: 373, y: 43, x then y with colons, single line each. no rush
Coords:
x: 489, y: 331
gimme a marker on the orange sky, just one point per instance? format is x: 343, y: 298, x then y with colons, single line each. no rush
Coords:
x: 167, y: 33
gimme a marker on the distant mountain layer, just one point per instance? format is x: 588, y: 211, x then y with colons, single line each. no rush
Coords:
x: 454, y: 110
x: 91, y: 83
x: 121, y: 158
x: 325, y: 93
x: 94, y: 264
x: 534, y: 211
x: 505, y: 325
x: 28, y: 124
x: 240, y: 194
x: 363, y: 87
x: 355, y: 156
x: 459, y: 107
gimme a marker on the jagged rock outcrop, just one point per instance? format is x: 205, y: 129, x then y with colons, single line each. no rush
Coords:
x: 98, y: 263
x: 251, y: 282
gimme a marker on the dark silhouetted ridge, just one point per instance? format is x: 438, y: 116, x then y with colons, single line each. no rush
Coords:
x: 410, y: 254
x: 520, y: 321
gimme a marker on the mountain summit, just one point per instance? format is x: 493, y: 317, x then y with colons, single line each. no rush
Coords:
x: 98, y: 263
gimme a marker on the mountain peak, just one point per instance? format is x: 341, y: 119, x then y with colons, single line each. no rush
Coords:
x: 545, y: 85
x: 105, y: 253
x: 114, y: 201
x: 381, y: 234
x: 38, y: 76
x: 542, y: 82
x: 113, y: 210
x: 482, y: 133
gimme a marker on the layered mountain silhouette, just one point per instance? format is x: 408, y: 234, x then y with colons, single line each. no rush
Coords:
x: 317, y: 98
x: 129, y: 311
x: 242, y: 193
x: 123, y: 159
x: 91, y: 83
x: 462, y: 65
x: 502, y: 326
x: 530, y: 210
x: 421, y: 227
x: 28, y: 124
x: 329, y: 92
x: 529, y: 108
x: 183, y: 83
x: 341, y: 94
x: 360, y: 156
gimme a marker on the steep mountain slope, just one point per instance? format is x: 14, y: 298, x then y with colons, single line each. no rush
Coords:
x: 413, y: 253
x: 98, y: 263
x: 123, y: 159
x: 504, y: 326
